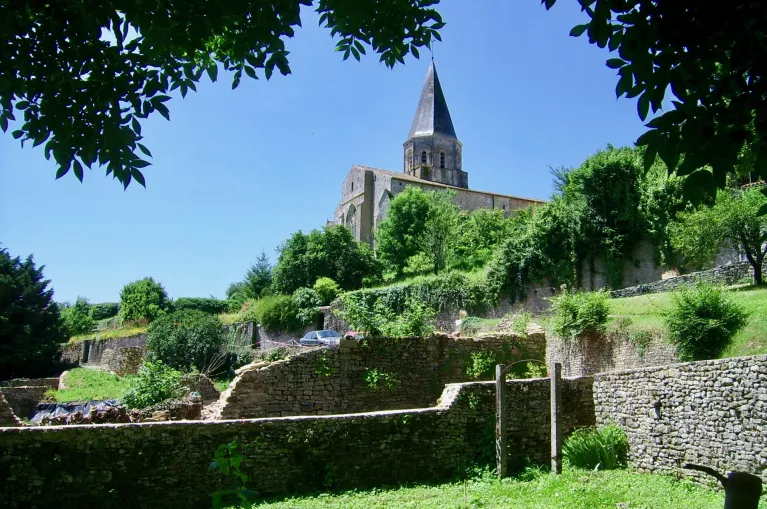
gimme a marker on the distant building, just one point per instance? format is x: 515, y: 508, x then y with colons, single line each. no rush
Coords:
x: 432, y: 160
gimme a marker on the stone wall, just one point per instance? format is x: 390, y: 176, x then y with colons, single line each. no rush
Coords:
x: 726, y: 275
x: 711, y: 413
x: 7, y: 417
x: 97, y: 348
x: 410, y: 373
x: 24, y: 399
x: 639, y: 268
x: 597, y: 353
x: 166, y: 464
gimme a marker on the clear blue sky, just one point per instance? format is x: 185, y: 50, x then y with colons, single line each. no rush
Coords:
x: 238, y: 171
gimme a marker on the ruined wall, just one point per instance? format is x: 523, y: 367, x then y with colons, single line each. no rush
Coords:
x: 725, y: 275
x: 165, y: 465
x: 24, y: 399
x: 639, y: 269
x: 597, y: 353
x: 7, y: 417
x: 381, y: 374
x: 711, y: 413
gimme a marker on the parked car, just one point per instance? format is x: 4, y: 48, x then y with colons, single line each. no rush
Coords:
x: 321, y: 337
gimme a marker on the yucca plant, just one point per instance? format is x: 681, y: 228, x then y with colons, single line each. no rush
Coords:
x: 603, y: 448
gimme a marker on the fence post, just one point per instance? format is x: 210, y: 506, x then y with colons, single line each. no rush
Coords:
x: 500, y: 420
x: 556, y: 436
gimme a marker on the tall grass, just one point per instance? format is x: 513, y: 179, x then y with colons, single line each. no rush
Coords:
x: 85, y: 384
x: 604, y: 448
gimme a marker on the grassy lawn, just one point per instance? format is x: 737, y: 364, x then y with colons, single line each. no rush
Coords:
x: 109, y: 334
x: 84, y: 384
x: 646, y: 312
x: 574, y: 489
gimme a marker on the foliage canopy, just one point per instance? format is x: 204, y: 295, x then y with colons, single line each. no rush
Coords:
x: 78, y: 318
x: 85, y: 74
x: 143, y: 301
x: 185, y: 339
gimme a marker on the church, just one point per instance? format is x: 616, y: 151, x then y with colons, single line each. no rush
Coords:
x: 432, y: 161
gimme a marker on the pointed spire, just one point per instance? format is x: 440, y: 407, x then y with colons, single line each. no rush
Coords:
x: 432, y: 116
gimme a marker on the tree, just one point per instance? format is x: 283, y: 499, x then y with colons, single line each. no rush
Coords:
x: 732, y: 221
x: 397, y: 237
x: 331, y: 252
x: 711, y: 57
x: 258, y: 279
x: 84, y: 74
x: 143, y: 301
x: 77, y: 318
x: 236, y: 296
x: 438, y: 238
x: 185, y: 339
x: 31, y: 329
x: 327, y: 289
x: 479, y: 233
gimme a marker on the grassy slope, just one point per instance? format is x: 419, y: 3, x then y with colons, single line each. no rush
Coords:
x: 84, y: 384
x: 646, y: 311
x: 573, y: 490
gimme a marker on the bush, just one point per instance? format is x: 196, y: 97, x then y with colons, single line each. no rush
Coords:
x: 104, y: 310
x: 307, y: 300
x: 143, y: 300
x: 327, y: 289
x: 575, y: 313
x: 277, y: 313
x: 77, y: 318
x: 208, y: 305
x: 31, y: 329
x: 604, y: 448
x: 416, y: 320
x: 702, y: 321
x: 154, y: 384
x: 185, y: 339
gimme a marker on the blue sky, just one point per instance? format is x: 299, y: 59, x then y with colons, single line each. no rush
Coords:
x: 235, y: 172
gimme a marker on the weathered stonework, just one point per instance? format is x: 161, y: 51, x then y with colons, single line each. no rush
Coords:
x: 597, y: 353
x: 725, y: 275
x: 7, y: 417
x: 411, y: 373
x: 711, y: 413
x: 165, y: 464
x: 24, y: 399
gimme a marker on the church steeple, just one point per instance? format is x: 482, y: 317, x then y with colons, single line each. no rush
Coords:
x: 432, y: 115
x: 432, y: 151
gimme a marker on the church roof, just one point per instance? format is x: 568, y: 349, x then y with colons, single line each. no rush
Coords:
x: 416, y: 180
x: 432, y: 116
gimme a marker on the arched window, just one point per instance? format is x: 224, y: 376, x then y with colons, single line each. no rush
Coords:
x: 423, y: 157
x: 441, y: 159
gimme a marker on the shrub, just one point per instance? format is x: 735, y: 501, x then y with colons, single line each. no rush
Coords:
x: 30, y: 325
x: 702, y: 321
x: 307, y: 300
x: 575, y: 313
x: 154, y: 384
x: 470, y: 325
x: 276, y: 354
x: 143, y: 300
x: 604, y: 448
x: 208, y: 305
x: 327, y: 289
x: 104, y: 310
x: 185, y: 339
x: 277, y: 313
x: 77, y: 318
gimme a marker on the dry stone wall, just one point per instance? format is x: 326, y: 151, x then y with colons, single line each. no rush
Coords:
x: 7, y: 417
x: 597, y: 353
x: 381, y: 374
x: 165, y: 465
x: 725, y: 275
x: 711, y: 413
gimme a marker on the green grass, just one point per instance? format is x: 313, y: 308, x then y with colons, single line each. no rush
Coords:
x: 85, y: 384
x: 646, y: 312
x: 574, y: 489
x: 110, y: 334
x: 222, y: 384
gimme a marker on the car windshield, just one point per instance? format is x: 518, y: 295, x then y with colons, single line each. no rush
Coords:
x: 327, y: 334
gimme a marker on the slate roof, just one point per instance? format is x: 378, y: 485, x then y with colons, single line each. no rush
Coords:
x: 432, y: 116
x: 416, y: 180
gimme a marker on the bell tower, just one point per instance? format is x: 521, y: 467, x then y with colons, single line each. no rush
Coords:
x: 432, y: 151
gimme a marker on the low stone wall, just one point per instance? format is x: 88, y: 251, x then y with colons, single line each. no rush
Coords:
x: 49, y: 382
x: 272, y: 339
x: 726, y: 275
x: 24, y: 399
x: 166, y: 464
x: 98, y: 348
x: 597, y: 353
x: 380, y: 374
x: 711, y: 413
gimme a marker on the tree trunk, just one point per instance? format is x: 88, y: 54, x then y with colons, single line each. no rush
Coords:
x: 757, y: 272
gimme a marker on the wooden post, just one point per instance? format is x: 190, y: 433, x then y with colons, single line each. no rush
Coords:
x: 556, y: 433
x: 500, y: 420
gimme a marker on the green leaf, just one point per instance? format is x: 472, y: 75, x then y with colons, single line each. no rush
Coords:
x: 22, y: 105
x: 355, y: 53
x: 3, y: 123
x: 163, y: 110
x: 140, y: 163
x: 138, y: 177
x: 17, y: 134
x: 136, y: 126
x: 578, y: 30
x: 78, y: 169
x: 212, y: 71
x: 616, y: 63
x: 145, y: 150
x: 697, y: 185
x: 250, y: 72
x: 63, y: 170
x: 643, y: 105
